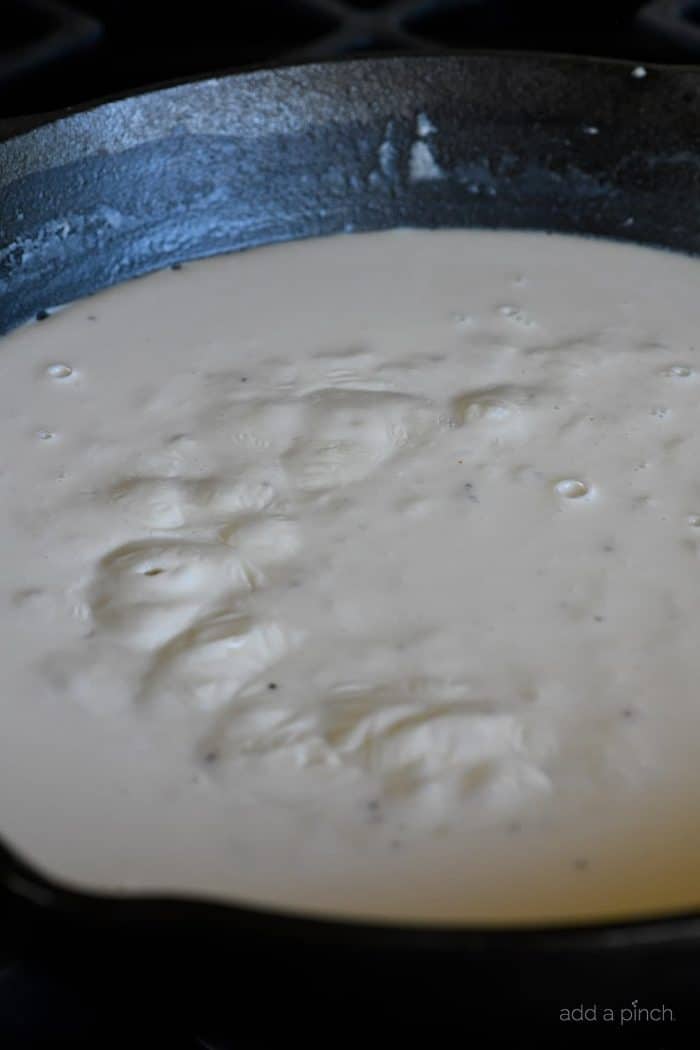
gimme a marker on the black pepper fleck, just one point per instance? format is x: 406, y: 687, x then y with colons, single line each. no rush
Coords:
x: 176, y: 266
x: 599, y: 619
x: 580, y: 864
x: 91, y: 317
x: 272, y: 685
x: 42, y: 315
x: 211, y: 756
x: 514, y: 826
x: 374, y: 810
x: 628, y: 712
x: 244, y: 379
x: 471, y: 494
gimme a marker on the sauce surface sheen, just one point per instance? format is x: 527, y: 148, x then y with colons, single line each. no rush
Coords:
x: 360, y: 576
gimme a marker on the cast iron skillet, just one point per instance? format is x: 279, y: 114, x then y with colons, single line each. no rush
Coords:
x: 560, y: 144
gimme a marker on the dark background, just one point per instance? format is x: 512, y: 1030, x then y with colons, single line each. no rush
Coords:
x: 58, y: 53
x: 55, y: 53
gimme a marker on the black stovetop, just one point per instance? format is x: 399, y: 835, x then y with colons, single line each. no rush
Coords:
x: 58, y: 53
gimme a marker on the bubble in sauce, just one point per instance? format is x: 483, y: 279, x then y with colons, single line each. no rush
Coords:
x: 572, y: 488
x: 59, y: 371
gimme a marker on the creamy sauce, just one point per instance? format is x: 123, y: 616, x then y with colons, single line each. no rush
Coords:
x: 361, y: 576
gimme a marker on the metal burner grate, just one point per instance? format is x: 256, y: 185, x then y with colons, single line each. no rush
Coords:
x: 36, y: 33
x: 56, y: 53
x: 677, y: 21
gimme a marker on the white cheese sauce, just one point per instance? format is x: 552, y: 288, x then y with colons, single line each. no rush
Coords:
x: 361, y: 576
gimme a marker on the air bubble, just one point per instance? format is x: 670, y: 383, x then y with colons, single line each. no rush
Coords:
x: 591, y: 129
x: 59, y: 371
x: 694, y: 520
x: 571, y: 488
x: 462, y: 320
x: 639, y: 72
x: 45, y: 435
x: 679, y: 371
x: 517, y: 315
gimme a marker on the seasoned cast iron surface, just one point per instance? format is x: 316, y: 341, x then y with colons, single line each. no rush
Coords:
x: 240, y: 161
